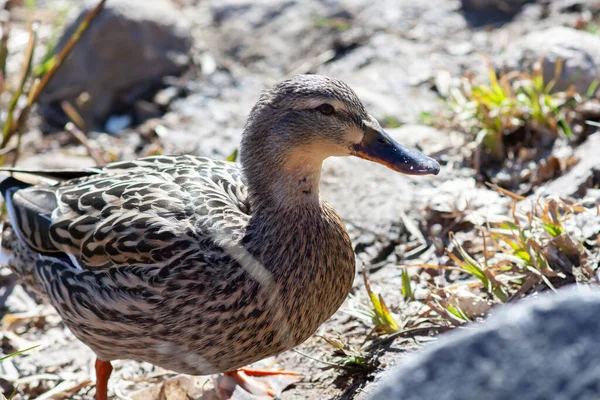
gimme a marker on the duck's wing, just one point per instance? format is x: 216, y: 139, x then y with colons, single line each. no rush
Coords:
x: 144, y: 212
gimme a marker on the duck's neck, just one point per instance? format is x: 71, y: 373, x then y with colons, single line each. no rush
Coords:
x: 298, y: 242
x: 289, y: 184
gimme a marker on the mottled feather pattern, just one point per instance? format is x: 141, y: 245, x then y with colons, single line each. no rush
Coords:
x: 140, y: 212
x: 170, y: 265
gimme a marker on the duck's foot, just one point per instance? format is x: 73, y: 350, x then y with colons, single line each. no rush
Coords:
x: 256, y: 383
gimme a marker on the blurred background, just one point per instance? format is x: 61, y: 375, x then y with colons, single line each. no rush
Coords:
x: 501, y: 92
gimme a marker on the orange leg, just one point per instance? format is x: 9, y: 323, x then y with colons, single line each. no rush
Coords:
x: 103, y: 371
x: 271, y: 386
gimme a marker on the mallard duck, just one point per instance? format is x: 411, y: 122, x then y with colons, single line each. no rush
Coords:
x: 197, y: 265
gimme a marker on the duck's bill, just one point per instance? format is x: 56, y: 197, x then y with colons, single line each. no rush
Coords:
x: 379, y: 147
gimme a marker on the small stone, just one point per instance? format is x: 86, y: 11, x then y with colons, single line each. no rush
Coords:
x: 117, y: 123
x: 164, y: 97
x: 209, y: 65
x: 460, y: 48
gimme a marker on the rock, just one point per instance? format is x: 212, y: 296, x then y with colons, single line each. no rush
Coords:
x: 566, y: 6
x: 543, y: 348
x: 580, y: 52
x: 128, y: 49
x: 584, y: 175
x: 508, y: 7
x: 479, y: 13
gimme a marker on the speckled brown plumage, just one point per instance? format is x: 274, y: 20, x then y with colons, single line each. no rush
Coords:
x: 199, y: 265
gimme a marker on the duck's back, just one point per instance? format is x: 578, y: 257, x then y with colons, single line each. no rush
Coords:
x: 134, y: 212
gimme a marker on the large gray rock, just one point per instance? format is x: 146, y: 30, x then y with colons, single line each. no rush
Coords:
x: 580, y: 52
x: 546, y: 348
x: 128, y: 49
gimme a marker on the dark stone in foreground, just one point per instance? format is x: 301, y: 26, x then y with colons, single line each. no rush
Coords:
x: 491, y: 12
x: 508, y: 7
x: 545, y: 348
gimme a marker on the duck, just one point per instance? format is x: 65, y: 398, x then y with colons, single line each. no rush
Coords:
x: 197, y: 265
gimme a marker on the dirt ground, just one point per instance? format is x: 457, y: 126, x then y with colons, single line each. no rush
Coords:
x: 392, y: 53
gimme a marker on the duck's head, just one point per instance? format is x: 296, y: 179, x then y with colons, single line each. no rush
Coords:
x: 302, y: 121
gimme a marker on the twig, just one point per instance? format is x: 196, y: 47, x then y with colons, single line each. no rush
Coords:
x: 81, y: 138
x: 313, y: 63
x: 83, y: 26
x: 40, y: 84
x: 60, y: 390
x: 4, y: 50
x: 332, y: 364
x: 73, y: 115
x: 412, y: 228
x: 39, y: 377
x: 25, y: 71
x: 405, y: 333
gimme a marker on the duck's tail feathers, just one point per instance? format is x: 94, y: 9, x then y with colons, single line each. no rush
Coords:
x: 19, y: 258
x: 54, y: 174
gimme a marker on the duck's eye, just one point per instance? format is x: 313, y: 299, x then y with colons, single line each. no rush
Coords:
x: 326, y: 109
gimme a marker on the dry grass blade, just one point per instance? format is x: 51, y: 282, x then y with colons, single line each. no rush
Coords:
x: 444, y: 313
x: 68, y: 48
x: 4, y: 52
x: 40, y: 84
x: 505, y: 192
x: 64, y: 390
x: 81, y: 138
x: 73, y: 115
x: 25, y: 71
